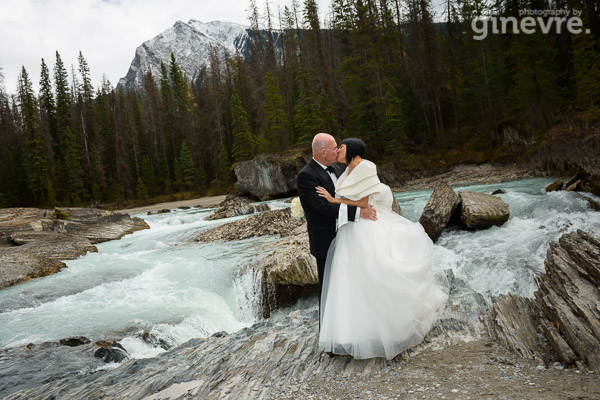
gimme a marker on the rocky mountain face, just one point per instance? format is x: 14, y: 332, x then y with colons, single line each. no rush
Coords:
x: 191, y: 43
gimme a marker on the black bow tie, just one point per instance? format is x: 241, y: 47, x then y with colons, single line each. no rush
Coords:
x: 330, y: 170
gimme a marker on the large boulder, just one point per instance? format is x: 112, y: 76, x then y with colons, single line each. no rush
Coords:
x: 287, y: 271
x: 564, y: 312
x: 270, y: 176
x: 438, y: 210
x: 286, y: 275
x: 480, y: 210
x: 34, y: 242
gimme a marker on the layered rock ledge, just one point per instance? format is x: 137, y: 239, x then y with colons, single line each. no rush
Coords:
x: 562, y: 321
x: 33, y: 242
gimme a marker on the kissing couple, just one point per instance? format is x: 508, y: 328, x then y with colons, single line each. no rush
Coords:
x: 377, y: 293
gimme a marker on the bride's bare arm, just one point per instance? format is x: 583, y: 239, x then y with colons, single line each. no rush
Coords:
x: 362, y: 203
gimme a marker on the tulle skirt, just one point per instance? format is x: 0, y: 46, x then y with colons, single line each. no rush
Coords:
x: 379, y: 293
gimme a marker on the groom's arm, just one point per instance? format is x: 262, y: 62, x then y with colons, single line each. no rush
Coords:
x: 307, y: 192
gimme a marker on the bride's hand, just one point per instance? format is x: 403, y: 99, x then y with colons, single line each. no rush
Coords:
x: 321, y: 191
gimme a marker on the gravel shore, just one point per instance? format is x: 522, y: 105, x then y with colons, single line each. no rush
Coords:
x: 479, y: 369
x: 463, y: 175
x: 201, y: 202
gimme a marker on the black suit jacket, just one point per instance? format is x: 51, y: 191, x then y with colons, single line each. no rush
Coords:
x: 320, y: 214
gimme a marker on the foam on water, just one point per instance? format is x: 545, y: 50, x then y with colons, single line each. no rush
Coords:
x: 151, y: 281
x: 508, y: 258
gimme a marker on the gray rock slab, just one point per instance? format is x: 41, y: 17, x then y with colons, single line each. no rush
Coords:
x: 480, y: 210
x: 438, y: 210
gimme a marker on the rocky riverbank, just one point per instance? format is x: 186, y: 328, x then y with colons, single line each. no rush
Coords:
x: 278, y: 358
x: 259, y: 362
x: 34, y: 242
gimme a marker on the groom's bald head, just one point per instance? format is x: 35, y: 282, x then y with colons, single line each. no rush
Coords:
x: 320, y: 141
x: 324, y: 148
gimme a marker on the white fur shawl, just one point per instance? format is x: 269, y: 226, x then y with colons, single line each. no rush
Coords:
x: 361, y: 182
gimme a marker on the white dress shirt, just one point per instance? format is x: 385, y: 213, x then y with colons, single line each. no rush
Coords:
x: 343, y: 212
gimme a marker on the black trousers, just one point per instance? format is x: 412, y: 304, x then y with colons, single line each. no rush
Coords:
x: 321, y: 271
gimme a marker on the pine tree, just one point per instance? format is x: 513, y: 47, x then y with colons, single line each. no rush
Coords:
x: 38, y: 179
x: 275, y: 123
x: 180, y: 92
x: 187, y: 167
x: 148, y: 175
x: 225, y: 172
x: 141, y: 190
x: 153, y: 125
x: 306, y: 114
x: 64, y: 104
x: 86, y: 88
x: 317, y: 49
x: 74, y: 172
x: 169, y: 118
x: 83, y: 106
x: 48, y: 125
x: 243, y: 143
x: 105, y: 157
x: 69, y: 170
x: 393, y: 131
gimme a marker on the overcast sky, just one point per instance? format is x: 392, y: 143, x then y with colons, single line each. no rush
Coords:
x: 106, y: 32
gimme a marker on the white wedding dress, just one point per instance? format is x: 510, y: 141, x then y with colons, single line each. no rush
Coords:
x: 379, y: 294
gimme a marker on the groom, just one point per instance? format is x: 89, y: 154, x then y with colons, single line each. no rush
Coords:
x: 324, y: 218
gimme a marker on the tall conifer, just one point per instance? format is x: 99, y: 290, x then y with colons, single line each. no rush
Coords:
x: 275, y: 123
x: 243, y: 143
x: 38, y: 179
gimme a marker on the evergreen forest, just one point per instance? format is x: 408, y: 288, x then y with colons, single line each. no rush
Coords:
x: 409, y: 83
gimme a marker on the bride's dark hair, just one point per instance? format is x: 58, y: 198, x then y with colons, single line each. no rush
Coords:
x: 354, y: 147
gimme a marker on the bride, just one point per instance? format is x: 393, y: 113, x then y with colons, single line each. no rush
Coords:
x: 379, y: 295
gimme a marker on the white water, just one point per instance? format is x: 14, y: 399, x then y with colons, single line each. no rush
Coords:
x: 150, y: 281
x: 155, y: 282
x: 508, y: 258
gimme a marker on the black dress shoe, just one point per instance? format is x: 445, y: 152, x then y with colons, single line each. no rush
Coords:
x: 330, y: 354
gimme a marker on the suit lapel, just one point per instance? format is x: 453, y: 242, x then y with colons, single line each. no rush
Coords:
x: 324, y: 177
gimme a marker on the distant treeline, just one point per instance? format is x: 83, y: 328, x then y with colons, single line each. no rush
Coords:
x: 380, y: 70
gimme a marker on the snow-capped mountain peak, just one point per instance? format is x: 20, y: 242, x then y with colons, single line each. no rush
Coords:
x: 189, y: 42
